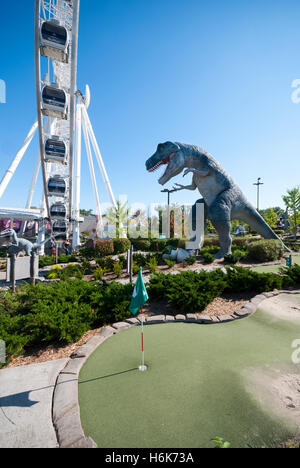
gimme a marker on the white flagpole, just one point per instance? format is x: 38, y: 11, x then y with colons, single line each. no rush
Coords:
x: 142, y: 367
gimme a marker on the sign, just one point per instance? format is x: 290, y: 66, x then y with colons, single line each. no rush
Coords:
x: 22, y: 268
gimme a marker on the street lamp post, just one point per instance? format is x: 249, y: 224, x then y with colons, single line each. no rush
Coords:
x: 258, y: 183
x: 168, y: 210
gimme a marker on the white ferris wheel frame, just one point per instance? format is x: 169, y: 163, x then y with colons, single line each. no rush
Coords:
x: 78, y: 121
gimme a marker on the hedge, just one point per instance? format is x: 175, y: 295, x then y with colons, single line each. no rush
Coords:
x: 104, y: 247
x: 121, y: 245
x: 266, y: 250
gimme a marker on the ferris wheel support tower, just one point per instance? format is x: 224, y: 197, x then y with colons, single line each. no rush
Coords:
x: 61, y: 117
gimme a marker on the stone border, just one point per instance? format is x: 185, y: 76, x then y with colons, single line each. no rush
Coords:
x: 65, y: 405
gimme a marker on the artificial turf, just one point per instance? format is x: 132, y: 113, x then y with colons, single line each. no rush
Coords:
x: 194, y: 388
x: 276, y: 268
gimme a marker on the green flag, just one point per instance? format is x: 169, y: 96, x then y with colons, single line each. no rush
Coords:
x: 139, y: 296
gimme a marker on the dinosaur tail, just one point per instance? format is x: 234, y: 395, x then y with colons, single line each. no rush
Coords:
x: 37, y: 246
x: 251, y: 216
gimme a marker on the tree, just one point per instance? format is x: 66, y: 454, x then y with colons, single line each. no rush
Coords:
x: 86, y: 212
x: 270, y: 216
x: 292, y: 202
x: 117, y: 216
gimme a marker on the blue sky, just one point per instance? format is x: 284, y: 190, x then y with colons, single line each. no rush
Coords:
x: 213, y: 73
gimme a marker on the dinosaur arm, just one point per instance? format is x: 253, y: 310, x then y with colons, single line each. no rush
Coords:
x: 193, y: 186
x: 202, y: 173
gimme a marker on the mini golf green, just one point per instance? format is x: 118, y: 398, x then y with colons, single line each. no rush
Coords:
x: 276, y: 268
x: 202, y: 381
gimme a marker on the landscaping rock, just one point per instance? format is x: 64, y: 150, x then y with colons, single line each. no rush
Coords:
x: 156, y: 319
x: 191, y: 317
x: 202, y: 318
x: 133, y: 321
x: 225, y: 318
x: 119, y: 326
x: 170, y: 318
x: 242, y: 312
x: 180, y: 318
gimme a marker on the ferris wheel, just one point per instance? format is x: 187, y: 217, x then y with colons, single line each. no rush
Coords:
x: 61, y: 117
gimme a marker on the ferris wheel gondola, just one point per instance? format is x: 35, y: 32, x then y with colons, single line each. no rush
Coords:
x: 54, y: 102
x: 58, y: 211
x: 55, y: 150
x: 54, y: 41
x: 57, y: 186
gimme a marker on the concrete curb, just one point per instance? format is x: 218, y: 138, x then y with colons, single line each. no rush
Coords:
x: 65, y: 407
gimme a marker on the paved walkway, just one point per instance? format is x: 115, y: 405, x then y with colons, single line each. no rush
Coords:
x: 26, y: 405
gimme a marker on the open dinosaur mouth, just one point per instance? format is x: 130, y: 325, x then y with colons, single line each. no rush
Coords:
x: 161, y: 163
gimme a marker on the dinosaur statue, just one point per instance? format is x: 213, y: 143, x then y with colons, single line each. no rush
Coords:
x: 17, y: 245
x: 223, y: 199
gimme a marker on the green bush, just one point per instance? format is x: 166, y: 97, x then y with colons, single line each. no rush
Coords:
x: 152, y: 264
x: 170, y: 263
x: 208, y: 257
x: 121, y: 245
x: 235, y: 256
x: 3, y: 251
x: 139, y: 259
x: 118, y: 269
x: 266, y: 250
x: 87, y: 253
x: 46, y: 261
x: 293, y: 273
x: 241, y: 279
x: 104, y: 247
x: 191, y: 291
x: 158, y: 245
x: 99, y: 273
x: 141, y: 244
x: 190, y: 260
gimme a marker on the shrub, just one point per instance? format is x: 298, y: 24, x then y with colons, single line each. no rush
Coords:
x: 241, y: 279
x: 293, y: 273
x: 190, y: 260
x: 158, y: 245
x: 99, y: 273
x: 266, y: 250
x: 235, y: 256
x: 141, y: 244
x: 140, y: 259
x: 152, y: 264
x: 86, y: 267
x: 135, y: 268
x: 121, y: 245
x: 208, y: 258
x: 3, y: 251
x: 211, y: 242
x: 158, y: 285
x: 170, y: 263
x: 104, y: 247
x: 118, y: 269
x: 71, y: 271
x: 192, y: 291
x: 46, y: 261
x: 87, y: 253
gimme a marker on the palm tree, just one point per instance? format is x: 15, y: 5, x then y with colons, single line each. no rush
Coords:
x: 292, y: 202
x: 117, y: 216
x: 86, y: 212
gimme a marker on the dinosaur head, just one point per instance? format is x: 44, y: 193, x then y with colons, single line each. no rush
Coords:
x: 169, y: 154
x: 7, y: 233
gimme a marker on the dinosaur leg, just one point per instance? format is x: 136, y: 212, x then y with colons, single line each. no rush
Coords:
x: 219, y: 214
